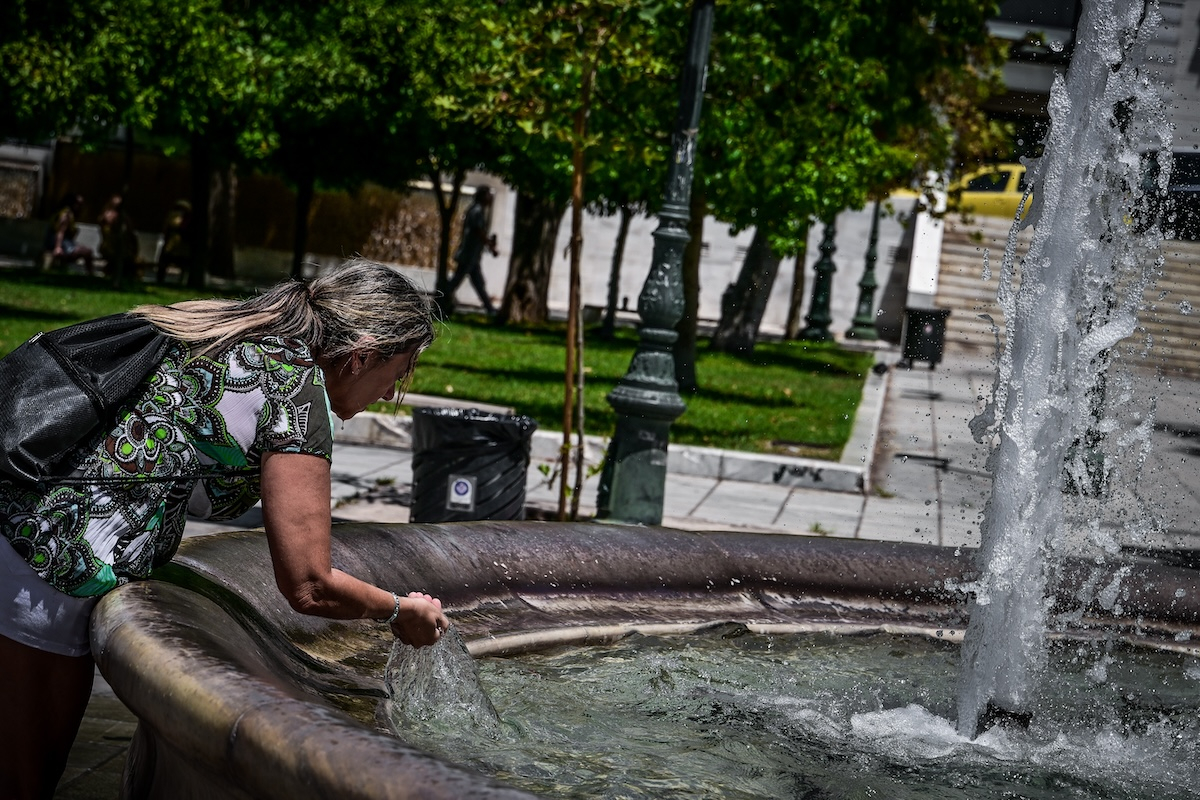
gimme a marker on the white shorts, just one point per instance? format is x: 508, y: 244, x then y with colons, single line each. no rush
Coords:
x: 33, y: 612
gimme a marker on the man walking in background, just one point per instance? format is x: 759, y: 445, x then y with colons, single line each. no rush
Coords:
x: 470, y: 250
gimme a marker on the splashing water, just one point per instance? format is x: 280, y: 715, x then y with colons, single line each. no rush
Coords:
x: 437, y: 687
x: 726, y: 713
x: 1093, y: 254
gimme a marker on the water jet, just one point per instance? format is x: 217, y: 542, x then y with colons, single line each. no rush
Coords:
x: 1055, y: 413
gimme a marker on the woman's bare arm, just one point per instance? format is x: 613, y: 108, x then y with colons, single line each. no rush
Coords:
x: 295, y: 498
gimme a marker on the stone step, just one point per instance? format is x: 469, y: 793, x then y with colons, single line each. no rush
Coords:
x: 1172, y: 304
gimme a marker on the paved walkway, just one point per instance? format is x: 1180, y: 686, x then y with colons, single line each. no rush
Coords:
x: 923, y: 479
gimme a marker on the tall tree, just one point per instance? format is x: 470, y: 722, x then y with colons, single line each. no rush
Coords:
x: 544, y: 91
x: 608, y: 324
x: 202, y: 73
x: 444, y: 47
x: 827, y: 104
x: 588, y: 63
x: 325, y: 107
x: 745, y: 300
x: 86, y: 67
x: 626, y: 176
x: 791, y: 328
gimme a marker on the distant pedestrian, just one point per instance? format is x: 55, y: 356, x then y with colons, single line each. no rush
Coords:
x: 62, y: 236
x: 176, y: 249
x: 118, y: 240
x: 475, y: 238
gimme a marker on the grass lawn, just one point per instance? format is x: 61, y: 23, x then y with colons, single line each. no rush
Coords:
x: 792, y: 397
x: 32, y: 301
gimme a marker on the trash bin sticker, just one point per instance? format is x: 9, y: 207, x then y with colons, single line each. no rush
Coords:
x: 460, y: 493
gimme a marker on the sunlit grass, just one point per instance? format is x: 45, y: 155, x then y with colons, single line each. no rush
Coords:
x: 795, y: 397
x: 33, y: 301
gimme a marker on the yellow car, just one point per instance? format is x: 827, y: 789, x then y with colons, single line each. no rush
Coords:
x: 994, y: 191
x: 991, y: 191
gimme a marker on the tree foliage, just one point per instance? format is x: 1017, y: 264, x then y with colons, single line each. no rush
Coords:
x: 589, y: 83
x: 819, y: 107
x: 543, y: 93
x: 325, y: 103
x: 810, y: 107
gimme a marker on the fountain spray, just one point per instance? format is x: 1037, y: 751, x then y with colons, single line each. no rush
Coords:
x: 1093, y: 253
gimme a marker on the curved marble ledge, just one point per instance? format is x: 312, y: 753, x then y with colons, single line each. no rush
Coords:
x: 239, y: 696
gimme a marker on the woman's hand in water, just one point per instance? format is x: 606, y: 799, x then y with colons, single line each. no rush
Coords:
x: 421, y: 621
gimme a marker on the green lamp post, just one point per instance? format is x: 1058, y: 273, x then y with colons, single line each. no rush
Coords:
x: 818, y: 317
x: 647, y: 401
x: 863, y: 324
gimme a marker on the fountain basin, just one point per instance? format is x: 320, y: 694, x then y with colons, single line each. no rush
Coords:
x: 239, y: 696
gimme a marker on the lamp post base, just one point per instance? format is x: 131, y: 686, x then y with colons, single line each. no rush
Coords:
x: 633, y: 484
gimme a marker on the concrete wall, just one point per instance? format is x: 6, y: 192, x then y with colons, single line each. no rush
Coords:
x: 721, y: 259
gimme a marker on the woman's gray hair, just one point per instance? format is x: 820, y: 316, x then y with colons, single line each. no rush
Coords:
x: 361, y: 305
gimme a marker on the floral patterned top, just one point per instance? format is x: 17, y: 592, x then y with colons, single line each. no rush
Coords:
x: 192, y: 441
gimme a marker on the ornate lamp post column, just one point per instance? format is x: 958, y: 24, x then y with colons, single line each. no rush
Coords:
x: 647, y: 399
x: 818, y: 314
x: 863, y: 324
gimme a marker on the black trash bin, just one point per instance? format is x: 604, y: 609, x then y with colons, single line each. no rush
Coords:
x: 924, y: 335
x: 469, y: 464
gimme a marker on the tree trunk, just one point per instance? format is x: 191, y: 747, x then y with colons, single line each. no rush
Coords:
x: 608, y: 326
x: 447, y: 206
x: 127, y: 165
x: 222, y: 202
x: 535, y: 233
x: 201, y: 163
x: 743, y: 303
x: 573, y: 383
x: 685, y: 345
x: 792, y: 329
x: 305, y: 187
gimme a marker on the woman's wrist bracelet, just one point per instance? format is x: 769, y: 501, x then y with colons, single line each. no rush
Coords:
x: 395, y: 610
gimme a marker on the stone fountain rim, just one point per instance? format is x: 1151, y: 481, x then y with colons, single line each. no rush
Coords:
x: 251, y: 734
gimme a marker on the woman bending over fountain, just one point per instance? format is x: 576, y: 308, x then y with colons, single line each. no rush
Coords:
x: 240, y: 408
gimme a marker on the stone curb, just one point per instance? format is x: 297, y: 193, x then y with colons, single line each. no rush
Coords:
x: 851, y: 474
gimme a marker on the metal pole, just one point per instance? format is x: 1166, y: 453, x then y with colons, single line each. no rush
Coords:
x: 818, y: 314
x: 647, y: 401
x: 863, y: 324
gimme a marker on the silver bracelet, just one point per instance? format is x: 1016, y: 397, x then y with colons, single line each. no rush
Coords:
x: 395, y: 610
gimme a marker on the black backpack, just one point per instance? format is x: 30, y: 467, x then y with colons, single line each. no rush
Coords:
x: 58, y: 388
